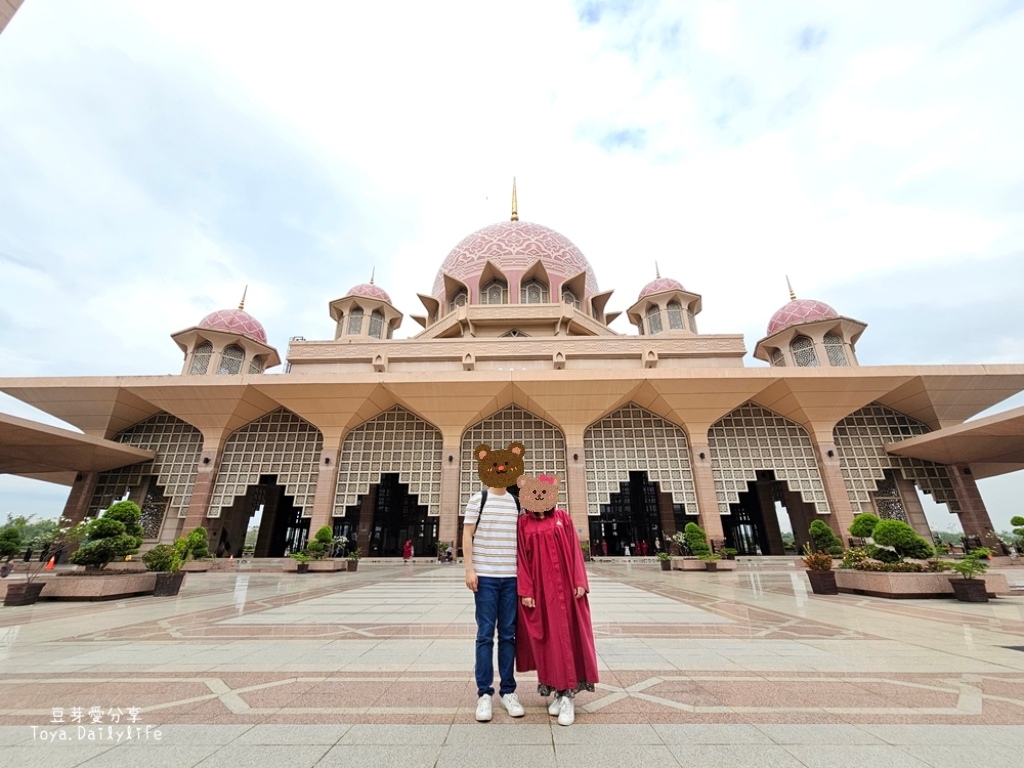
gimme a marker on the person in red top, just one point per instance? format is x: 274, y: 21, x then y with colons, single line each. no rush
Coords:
x: 407, y: 550
x: 554, y: 634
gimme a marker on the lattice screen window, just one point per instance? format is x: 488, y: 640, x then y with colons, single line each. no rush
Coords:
x: 377, y: 324
x: 888, y: 502
x: 394, y: 442
x: 533, y: 292
x: 860, y: 442
x: 545, y: 448
x: 569, y: 297
x: 632, y: 439
x: 495, y: 292
x: 653, y: 320
x: 752, y: 438
x: 280, y: 444
x: 256, y: 366
x: 675, y: 316
x: 177, y: 445
x: 835, y: 350
x: 153, y: 507
x: 778, y: 359
x: 231, y: 360
x: 201, y: 359
x: 355, y: 321
x: 691, y: 320
x: 803, y: 352
x: 459, y: 300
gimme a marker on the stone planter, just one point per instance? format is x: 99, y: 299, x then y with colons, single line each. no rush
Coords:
x: 969, y: 590
x: 711, y: 566
x: 326, y: 566
x: 688, y: 564
x: 78, y: 586
x: 168, y: 584
x: 23, y: 592
x: 909, y: 585
x: 196, y: 566
x: 666, y: 565
x: 352, y: 565
x: 823, y: 582
x: 302, y: 567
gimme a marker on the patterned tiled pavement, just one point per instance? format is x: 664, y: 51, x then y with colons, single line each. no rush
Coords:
x: 374, y: 668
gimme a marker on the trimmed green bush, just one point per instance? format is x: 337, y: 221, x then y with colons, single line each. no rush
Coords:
x: 163, y: 558
x: 864, y: 525
x: 903, y: 539
x: 10, y: 541
x: 824, y: 539
x: 696, y: 539
x: 113, y: 536
x: 196, y: 544
x: 321, y: 543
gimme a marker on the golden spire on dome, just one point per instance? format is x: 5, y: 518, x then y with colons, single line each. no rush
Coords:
x: 515, y: 205
x: 241, y: 304
x: 792, y: 296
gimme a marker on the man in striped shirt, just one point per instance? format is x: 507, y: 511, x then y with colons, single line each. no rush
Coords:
x: 489, y: 549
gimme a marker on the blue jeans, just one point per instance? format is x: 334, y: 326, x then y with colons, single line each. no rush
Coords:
x: 496, y: 602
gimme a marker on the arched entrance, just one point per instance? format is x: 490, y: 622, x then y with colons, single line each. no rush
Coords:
x: 752, y: 526
x: 391, y: 515
x: 283, y: 529
x: 634, y: 517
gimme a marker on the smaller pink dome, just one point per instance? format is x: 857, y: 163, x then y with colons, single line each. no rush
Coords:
x: 235, y: 321
x: 800, y: 311
x: 660, y: 285
x: 369, y: 291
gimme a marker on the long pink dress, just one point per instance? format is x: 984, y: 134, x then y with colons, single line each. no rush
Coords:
x: 556, y: 637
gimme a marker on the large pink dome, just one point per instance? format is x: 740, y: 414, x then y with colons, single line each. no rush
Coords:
x: 660, y: 285
x: 235, y: 321
x: 513, y: 247
x: 370, y: 291
x: 800, y: 311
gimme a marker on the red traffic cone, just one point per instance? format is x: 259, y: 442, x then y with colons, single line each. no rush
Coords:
x: 50, y: 563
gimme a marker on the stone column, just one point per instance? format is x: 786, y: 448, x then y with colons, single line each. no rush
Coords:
x: 451, y: 503
x: 326, y: 486
x: 77, y: 506
x: 207, y: 469
x: 835, y: 488
x: 973, y: 513
x: 704, y: 483
x: 575, y: 480
x: 912, y: 506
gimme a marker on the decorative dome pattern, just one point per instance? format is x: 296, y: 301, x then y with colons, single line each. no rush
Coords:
x: 800, y: 311
x: 513, y: 247
x: 660, y: 285
x: 369, y: 291
x: 235, y: 321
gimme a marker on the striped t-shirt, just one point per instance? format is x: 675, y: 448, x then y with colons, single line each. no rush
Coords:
x: 494, y: 543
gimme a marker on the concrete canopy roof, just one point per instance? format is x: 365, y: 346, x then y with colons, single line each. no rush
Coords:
x: 992, y: 446
x: 42, y: 452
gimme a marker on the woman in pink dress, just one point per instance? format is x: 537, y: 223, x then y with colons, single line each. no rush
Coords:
x: 554, y: 633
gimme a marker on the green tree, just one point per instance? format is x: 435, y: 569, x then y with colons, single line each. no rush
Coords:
x: 864, y: 525
x: 1018, y: 532
x: 696, y: 539
x: 321, y: 543
x: 903, y: 539
x: 824, y: 539
x: 112, y: 536
x: 10, y: 541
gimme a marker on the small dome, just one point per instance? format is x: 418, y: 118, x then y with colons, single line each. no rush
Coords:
x: 660, y: 285
x: 800, y: 311
x: 235, y: 321
x: 369, y: 291
x: 513, y: 246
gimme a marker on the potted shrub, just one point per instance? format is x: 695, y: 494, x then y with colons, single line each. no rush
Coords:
x: 320, y: 546
x: 165, y: 560
x: 303, y: 561
x: 666, y: 561
x: 819, y: 571
x: 710, y: 561
x: 971, y: 589
x: 194, y: 546
x: 18, y: 592
x: 728, y: 553
x: 696, y: 540
x: 585, y: 546
x: 824, y: 539
x: 353, y: 559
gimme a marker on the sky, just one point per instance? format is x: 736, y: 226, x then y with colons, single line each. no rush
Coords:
x: 157, y: 158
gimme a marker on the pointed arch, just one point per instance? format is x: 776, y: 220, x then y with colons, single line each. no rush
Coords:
x: 280, y: 444
x: 630, y: 439
x: 396, y: 441
x: 545, y: 447
x: 201, y: 359
x: 752, y: 438
x: 860, y: 441
x: 178, y: 446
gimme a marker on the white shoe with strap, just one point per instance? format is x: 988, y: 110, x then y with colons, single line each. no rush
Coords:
x: 483, y: 709
x: 567, y: 711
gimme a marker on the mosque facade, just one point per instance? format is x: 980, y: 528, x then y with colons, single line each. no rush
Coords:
x: 373, y: 435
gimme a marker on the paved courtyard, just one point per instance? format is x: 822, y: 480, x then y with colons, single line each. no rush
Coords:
x: 374, y: 668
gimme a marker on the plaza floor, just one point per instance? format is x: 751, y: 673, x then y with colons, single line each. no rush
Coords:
x: 374, y: 668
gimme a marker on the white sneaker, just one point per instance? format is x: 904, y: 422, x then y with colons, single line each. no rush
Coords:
x: 511, y: 703
x: 483, y: 709
x: 555, y: 706
x: 567, y: 711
